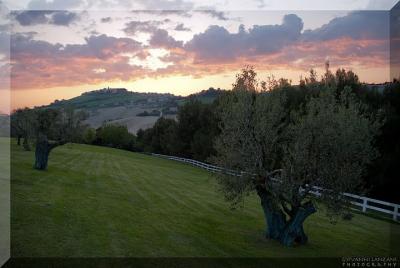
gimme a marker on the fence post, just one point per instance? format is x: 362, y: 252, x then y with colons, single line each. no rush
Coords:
x: 364, y: 206
x: 395, y: 212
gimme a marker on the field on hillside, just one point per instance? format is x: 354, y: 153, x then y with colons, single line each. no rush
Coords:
x: 96, y: 201
x: 122, y: 115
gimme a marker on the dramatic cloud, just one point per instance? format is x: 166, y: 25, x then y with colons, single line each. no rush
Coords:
x: 106, y: 19
x: 215, y: 14
x: 166, y: 5
x: 102, y: 47
x: 54, y: 5
x: 181, y: 27
x: 4, y: 47
x: 356, y: 25
x: 63, y: 18
x: 345, y: 41
x: 161, y: 38
x: 133, y: 27
x: 217, y: 43
x: 181, y: 13
x: 42, y: 64
x: 395, y: 42
x: 33, y: 17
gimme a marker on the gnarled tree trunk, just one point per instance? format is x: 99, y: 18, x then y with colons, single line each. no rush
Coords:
x: 294, y: 231
x: 287, y: 231
x: 42, y: 152
x: 275, y: 219
x: 43, y: 148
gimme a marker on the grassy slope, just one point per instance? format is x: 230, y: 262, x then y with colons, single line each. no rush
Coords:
x: 97, y: 201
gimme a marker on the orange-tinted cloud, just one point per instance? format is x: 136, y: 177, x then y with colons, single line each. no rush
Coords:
x: 102, y: 58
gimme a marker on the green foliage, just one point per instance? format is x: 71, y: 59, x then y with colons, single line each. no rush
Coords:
x: 116, y: 136
x: 382, y: 178
x: 250, y: 139
x: 322, y: 140
x: 196, y: 120
x: 205, y: 96
x: 23, y: 124
x: 330, y: 144
x: 192, y: 135
x: 64, y: 124
x: 89, y: 135
x: 161, y: 138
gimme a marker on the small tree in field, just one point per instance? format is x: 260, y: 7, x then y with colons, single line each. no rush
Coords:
x: 283, y: 154
x: 54, y: 128
x: 22, y: 126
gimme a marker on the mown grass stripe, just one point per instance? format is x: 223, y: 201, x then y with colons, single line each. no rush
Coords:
x: 96, y: 201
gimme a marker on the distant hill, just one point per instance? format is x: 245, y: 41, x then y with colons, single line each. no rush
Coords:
x: 134, y: 109
x: 116, y: 97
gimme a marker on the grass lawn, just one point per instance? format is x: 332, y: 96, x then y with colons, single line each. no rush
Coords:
x: 96, y: 201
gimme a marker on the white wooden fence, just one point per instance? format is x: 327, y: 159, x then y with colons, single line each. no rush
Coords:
x: 362, y: 202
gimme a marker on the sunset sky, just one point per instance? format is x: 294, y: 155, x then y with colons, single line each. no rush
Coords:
x: 60, y: 54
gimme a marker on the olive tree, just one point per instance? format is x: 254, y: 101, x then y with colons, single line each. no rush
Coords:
x: 283, y: 154
x: 23, y: 125
x: 55, y: 127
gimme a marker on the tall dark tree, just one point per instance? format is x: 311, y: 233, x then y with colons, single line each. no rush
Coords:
x: 326, y: 144
x: 383, y: 177
x: 197, y: 127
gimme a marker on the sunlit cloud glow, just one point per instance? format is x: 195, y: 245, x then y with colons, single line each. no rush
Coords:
x: 149, y: 51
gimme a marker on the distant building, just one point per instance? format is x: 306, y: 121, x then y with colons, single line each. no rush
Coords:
x: 106, y: 90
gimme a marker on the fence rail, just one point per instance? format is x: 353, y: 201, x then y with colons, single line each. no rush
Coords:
x: 363, y: 203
